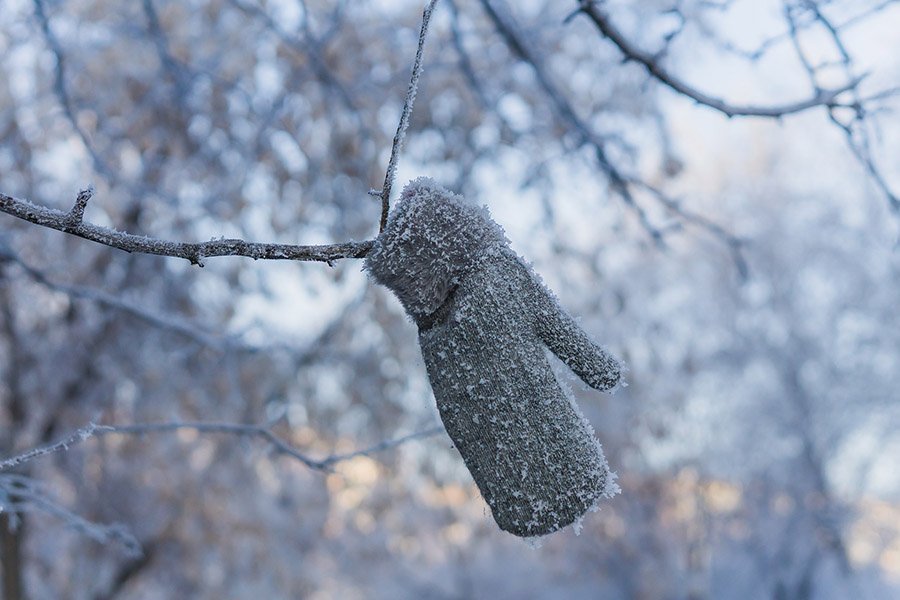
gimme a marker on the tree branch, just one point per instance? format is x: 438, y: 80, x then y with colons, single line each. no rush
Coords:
x: 381, y: 446
x: 856, y: 130
x: 74, y: 438
x: 391, y: 171
x: 278, y: 444
x: 822, y: 97
x: 587, y: 136
x: 62, y: 92
x: 195, y: 252
x: 265, y: 433
x: 20, y: 494
x: 621, y: 183
x: 165, y: 322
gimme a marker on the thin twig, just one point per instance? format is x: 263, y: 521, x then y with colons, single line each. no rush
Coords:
x: 194, y: 252
x: 23, y: 494
x: 397, y: 144
x: 62, y: 92
x: 76, y: 437
x: 260, y: 431
x: 769, y: 43
x: 821, y: 97
x: 381, y: 446
x: 161, y: 321
x: 278, y: 444
x: 586, y: 135
x: 855, y: 132
x: 734, y: 243
x: 265, y: 433
x: 622, y: 184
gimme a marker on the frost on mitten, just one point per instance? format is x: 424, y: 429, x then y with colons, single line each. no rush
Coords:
x: 484, y: 322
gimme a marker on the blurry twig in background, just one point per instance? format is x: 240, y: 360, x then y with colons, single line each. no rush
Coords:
x: 821, y: 97
x: 623, y: 185
x: 20, y: 494
x: 62, y: 92
x: 76, y: 437
x: 855, y: 130
x: 278, y: 444
x: 108, y: 300
x: 223, y: 342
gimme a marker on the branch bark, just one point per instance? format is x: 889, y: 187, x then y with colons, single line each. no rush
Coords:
x: 71, y: 223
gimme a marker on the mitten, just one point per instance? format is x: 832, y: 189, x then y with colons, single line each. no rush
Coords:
x: 485, y: 321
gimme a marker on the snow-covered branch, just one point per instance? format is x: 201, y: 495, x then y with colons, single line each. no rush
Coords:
x: 650, y: 61
x: 278, y: 444
x: 71, y: 222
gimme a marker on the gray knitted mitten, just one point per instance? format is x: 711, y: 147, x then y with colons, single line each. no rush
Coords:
x: 484, y: 321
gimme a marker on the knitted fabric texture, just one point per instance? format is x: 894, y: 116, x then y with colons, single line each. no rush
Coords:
x: 484, y: 322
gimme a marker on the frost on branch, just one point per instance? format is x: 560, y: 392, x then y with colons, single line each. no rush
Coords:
x: 484, y: 322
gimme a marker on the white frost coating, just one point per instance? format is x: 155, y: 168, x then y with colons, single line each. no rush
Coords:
x: 578, y: 525
x: 485, y: 320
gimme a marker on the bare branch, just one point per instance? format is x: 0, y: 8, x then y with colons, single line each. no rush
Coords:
x: 381, y: 446
x: 62, y: 92
x: 20, y: 494
x: 265, y: 433
x: 72, y: 222
x: 77, y: 437
x: 821, y: 97
x: 618, y: 181
x: 391, y: 171
x: 161, y: 321
x: 855, y: 131
x: 309, y: 47
x: 194, y: 252
x: 771, y: 42
x: 278, y: 444
x: 734, y: 243
x: 621, y: 183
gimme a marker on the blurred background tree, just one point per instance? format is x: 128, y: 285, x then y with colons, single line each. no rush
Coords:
x: 745, y: 268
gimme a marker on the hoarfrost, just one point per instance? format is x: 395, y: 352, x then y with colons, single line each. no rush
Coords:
x: 578, y: 525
